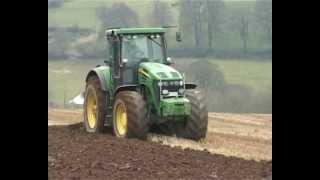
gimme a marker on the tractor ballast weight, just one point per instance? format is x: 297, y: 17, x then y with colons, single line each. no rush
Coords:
x: 137, y: 89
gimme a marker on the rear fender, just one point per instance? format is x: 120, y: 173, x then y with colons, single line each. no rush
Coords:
x: 103, y: 73
x: 126, y: 88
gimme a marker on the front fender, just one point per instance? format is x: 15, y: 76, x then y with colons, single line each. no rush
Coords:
x: 103, y: 73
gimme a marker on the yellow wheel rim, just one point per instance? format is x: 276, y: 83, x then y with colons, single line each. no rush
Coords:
x: 121, y: 119
x: 91, y: 109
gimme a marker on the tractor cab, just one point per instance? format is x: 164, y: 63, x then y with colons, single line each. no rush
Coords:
x: 130, y: 47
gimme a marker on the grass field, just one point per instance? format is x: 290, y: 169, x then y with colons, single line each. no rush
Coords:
x: 255, y: 74
x: 66, y: 78
x: 83, y: 12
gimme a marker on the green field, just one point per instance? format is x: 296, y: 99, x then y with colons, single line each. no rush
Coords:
x: 83, y: 12
x: 68, y: 84
x: 66, y: 78
x: 255, y: 74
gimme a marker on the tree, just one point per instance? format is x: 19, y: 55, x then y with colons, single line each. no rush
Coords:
x: 207, y: 75
x: 214, y: 9
x: 118, y: 15
x: 191, y: 19
x: 58, y: 43
x: 263, y: 12
x: 244, y: 31
x: 240, y: 22
x: 161, y: 14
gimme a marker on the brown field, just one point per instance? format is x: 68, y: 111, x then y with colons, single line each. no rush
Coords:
x: 247, y: 136
x: 237, y: 147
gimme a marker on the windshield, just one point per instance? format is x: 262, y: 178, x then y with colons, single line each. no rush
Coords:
x: 138, y: 47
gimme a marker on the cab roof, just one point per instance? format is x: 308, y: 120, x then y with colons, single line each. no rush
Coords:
x: 135, y: 30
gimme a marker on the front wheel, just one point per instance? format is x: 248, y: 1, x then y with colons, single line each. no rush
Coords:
x: 130, y: 115
x: 195, y: 127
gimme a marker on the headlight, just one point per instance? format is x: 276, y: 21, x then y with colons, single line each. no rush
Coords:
x: 181, y: 91
x: 160, y: 83
x: 165, y: 83
x: 181, y: 83
x: 165, y: 92
x: 176, y: 83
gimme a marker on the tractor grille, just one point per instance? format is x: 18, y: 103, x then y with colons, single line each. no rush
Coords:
x: 171, y: 87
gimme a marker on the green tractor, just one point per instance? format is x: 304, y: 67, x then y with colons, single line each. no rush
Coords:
x: 137, y: 90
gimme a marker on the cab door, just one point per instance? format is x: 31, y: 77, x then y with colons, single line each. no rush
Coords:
x: 129, y: 69
x: 113, y: 59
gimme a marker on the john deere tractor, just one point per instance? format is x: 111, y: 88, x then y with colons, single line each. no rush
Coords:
x: 137, y: 90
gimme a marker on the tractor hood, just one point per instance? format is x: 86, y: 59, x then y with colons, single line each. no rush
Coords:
x: 159, y: 71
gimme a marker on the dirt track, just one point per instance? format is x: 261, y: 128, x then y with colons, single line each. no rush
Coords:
x: 74, y: 154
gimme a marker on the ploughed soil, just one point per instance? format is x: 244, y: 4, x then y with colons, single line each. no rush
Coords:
x: 247, y: 136
x: 75, y: 154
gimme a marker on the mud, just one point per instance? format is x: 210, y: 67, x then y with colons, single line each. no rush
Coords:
x: 247, y: 136
x: 75, y: 154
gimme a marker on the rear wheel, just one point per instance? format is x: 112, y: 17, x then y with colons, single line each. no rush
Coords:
x: 130, y: 115
x: 94, y: 106
x: 195, y: 127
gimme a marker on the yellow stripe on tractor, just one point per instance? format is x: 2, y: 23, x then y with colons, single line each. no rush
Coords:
x: 144, y: 73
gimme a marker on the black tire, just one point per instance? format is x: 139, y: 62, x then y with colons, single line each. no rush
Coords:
x: 93, y: 85
x: 195, y: 127
x: 136, y: 111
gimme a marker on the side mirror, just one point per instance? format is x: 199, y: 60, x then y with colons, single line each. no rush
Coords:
x: 124, y: 62
x: 107, y: 62
x: 169, y: 61
x: 178, y: 36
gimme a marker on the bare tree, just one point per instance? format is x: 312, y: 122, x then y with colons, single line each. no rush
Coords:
x: 244, y: 31
x: 118, y: 15
x: 191, y: 16
x: 214, y: 9
x: 240, y: 22
x: 206, y: 74
x: 161, y: 14
x: 263, y: 14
